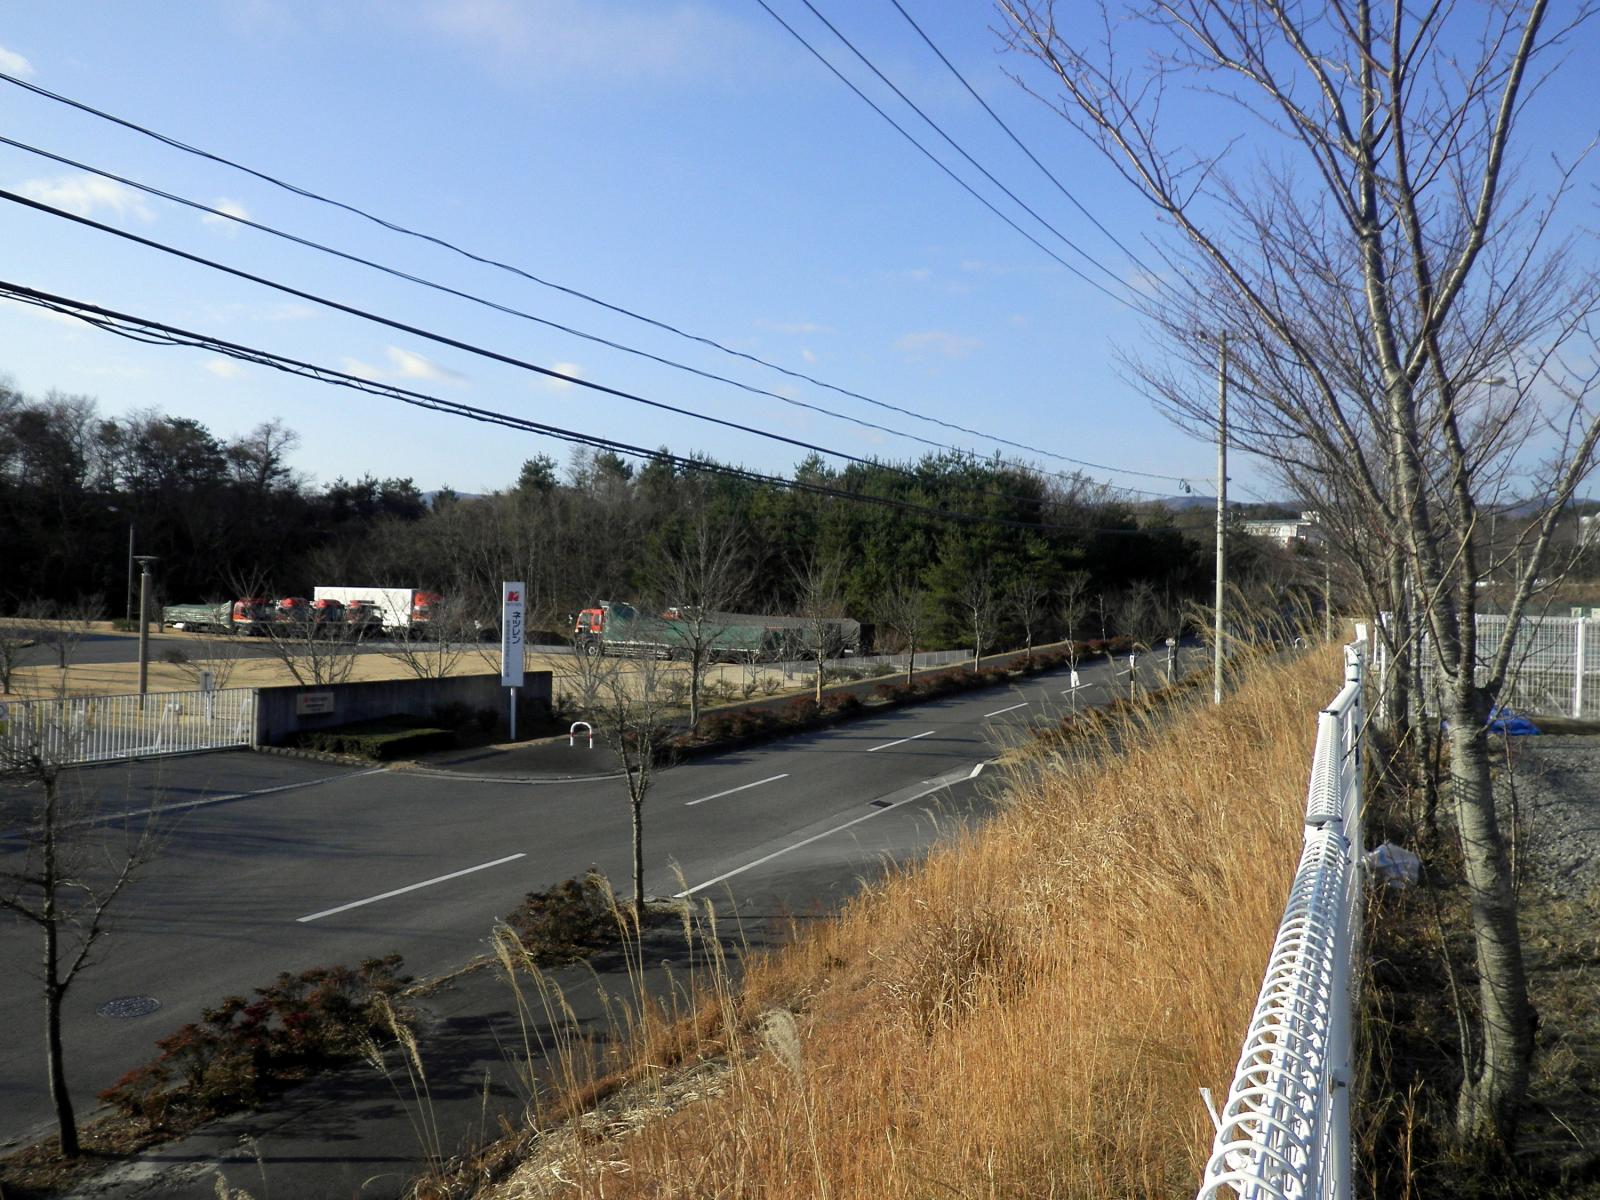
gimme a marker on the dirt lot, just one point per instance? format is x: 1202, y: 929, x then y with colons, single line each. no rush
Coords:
x: 236, y: 662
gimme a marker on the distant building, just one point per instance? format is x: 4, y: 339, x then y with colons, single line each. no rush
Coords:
x: 1284, y: 532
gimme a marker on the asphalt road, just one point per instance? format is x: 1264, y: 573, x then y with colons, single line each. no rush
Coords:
x: 271, y: 864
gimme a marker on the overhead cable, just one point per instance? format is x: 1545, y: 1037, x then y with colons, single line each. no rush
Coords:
x: 143, y: 329
x: 576, y: 293
x: 957, y: 147
x: 456, y: 343
x: 446, y: 289
x: 1020, y: 144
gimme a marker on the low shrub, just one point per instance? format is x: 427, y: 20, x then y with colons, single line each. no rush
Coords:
x: 563, y: 922
x: 243, y: 1049
x: 841, y: 703
x: 800, y: 710
x: 380, y: 740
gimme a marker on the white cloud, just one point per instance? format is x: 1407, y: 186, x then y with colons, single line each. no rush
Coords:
x: 84, y: 195
x: 560, y: 385
x: 13, y: 63
x: 404, y: 365
x: 807, y: 355
x: 224, y: 368
x: 936, y: 341
x: 232, y: 208
x: 606, y: 44
x: 796, y: 328
x: 46, y: 314
x: 408, y: 364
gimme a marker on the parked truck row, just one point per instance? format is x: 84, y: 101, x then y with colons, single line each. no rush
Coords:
x: 357, y: 610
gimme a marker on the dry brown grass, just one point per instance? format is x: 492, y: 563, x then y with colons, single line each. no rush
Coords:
x: 1028, y: 1013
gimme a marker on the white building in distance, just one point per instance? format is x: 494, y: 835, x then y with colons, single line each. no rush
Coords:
x: 1285, y: 532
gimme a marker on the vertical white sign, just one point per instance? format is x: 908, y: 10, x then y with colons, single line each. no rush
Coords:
x: 511, y: 634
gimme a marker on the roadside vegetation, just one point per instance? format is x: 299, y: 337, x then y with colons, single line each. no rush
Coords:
x: 1030, y: 1011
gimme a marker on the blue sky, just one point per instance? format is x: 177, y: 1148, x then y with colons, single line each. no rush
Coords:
x: 687, y: 160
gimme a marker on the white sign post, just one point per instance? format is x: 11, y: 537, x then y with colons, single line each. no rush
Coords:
x: 511, y: 644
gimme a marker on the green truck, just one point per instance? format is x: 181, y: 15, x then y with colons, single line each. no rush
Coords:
x: 225, y: 616
x: 621, y: 629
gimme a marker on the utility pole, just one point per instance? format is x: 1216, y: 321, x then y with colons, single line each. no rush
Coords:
x: 144, y: 621
x: 1222, y: 511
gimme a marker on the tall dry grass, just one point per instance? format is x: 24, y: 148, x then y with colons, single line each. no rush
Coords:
x: 1029, y: 1012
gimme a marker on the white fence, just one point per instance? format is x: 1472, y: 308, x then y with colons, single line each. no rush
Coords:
x: 1555, y: 665
x: 91, y: 729
x: 1284, y: 1132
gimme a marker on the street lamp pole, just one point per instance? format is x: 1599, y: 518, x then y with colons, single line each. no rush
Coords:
x: 144, y: 621
x: 129, y: 613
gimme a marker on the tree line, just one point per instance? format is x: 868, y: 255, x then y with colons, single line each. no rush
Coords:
x: 219, y: 510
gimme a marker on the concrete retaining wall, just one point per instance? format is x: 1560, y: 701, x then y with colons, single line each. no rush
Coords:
x: 281, y: 711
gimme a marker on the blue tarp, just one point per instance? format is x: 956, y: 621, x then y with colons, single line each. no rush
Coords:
x: 1503, y: 720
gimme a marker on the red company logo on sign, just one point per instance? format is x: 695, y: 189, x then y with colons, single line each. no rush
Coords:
x: 513, y: 597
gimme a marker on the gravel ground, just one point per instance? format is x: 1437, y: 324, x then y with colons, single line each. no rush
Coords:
x: 1557, y: 784
x: 1555, y: 787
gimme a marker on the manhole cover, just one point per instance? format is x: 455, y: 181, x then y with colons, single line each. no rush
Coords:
x: 129, y: 1006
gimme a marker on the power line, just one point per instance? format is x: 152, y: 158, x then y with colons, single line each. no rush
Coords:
x: 1048, y: 174
x: 473, y: 298
x: 151, y: 332
x: 958, y: 148
x: 467, y: 347
x: 935, y: 160
x: 522, y: 273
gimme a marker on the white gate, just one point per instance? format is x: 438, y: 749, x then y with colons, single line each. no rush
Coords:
x: 87, y: 729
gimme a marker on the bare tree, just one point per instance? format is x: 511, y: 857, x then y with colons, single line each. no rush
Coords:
x: 202, y: 655
x: 64, y: 880
x: 818, y: 587
x: 632, y: 715
x: 907, y: 610
x: 977, y: 601
x: 16, y: 635
x: 1025, y: 599
x: 315, y: 655
x: 434, y: 648
x: 1072, y: 606
x: 701, y: 573
x: 1397, y: 323
x: 61, y: 627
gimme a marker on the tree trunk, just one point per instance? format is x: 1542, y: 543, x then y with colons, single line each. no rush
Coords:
x: 1496, y: 1077
x: 66, y: 1121
x: 637, y: 809
x: 694, y: 693
x: 911, y: 663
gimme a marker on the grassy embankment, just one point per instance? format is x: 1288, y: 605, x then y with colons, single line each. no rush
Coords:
x: 1029, y: 1012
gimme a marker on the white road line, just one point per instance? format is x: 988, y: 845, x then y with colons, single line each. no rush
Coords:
x: 816, y: 837
x: 156, y: 810
x: 328, y: 912
x: 731, y: 791
x: 998, y: 711
x: 902, y: 741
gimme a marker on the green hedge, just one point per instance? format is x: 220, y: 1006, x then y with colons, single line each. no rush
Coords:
x: 380, y: 740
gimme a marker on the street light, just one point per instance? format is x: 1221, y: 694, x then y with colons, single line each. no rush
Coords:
x: 144, y: 561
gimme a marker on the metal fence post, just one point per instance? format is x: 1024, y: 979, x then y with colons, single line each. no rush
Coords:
x: 1578, y: 628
